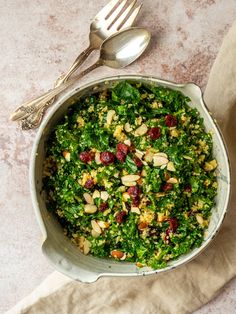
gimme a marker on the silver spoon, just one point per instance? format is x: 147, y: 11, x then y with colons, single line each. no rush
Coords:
x: 117, y: 51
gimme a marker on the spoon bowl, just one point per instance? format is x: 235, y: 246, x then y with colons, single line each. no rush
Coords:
x: 122, y: 49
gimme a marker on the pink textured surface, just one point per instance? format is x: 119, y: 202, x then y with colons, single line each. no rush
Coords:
x: 39, y: 39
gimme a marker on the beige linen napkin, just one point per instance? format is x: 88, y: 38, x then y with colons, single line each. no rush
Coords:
x: 182, y: 290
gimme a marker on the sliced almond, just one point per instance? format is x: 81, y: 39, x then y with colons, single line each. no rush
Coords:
x: 88, y: 198
x: 142, y: 226
x: 123, y: 257
x: 90, y: 208
x: 96, y: 227
x: 66, y: 155
x: 200, y: 219
x: 104, y: 195
x: 172, y: 180
x: 135, y: 210
x: 128, y: 127
x: 110, y: 116
x: 95, y: 234
x: 148, y: 156
x: 141, y: 130
x: 144, y: 173
x: 129, y: 183
x: 130, y: 178
x: 86, y: 247
x: 160, y: 194
x: 97, y: 158
x: 96, y: 194
x: 127, y: 142
x: 170, y: 166
x: 159, y: 161
x: 187, y: 157
x: 163, y: 166
x: 103, y: 224
x: 117, y: 254
x: 161, y: 155
x: 139, y: 152
x: 138, y: 155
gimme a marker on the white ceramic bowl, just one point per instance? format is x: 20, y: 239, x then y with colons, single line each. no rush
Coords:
x: 66, y: 257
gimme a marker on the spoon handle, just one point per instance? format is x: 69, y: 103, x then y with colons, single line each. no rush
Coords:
x: 77, y: 63
x: 40, y: 103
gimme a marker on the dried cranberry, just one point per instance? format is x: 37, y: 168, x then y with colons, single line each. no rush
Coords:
x: 121, y: 156
x: 86, y: 156
x: 89, y: 184
x: 170, y: 120
x: 173, y: 224
x: 134, y: 191
x: 103, y: 207
x: 154, y: 133
x: 120, y: 217
x: 138, y: 162
x: 188, y: 188
x: 122, y: 147
x: 136, y: 201
x: 107, y: 158
x: 167, y: 187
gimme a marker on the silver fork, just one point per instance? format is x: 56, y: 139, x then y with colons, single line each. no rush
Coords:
x: 111, y: 19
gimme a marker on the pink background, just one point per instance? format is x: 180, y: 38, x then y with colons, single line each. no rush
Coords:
x: 39, y: 40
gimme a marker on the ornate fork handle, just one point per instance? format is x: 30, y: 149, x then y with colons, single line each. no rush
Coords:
x: 35, y: 116
x: 35, y: 108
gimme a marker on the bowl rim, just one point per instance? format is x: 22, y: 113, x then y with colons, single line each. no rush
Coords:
x: 149, y: 79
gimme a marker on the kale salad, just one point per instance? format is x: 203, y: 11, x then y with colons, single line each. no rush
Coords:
x: 130, y: 175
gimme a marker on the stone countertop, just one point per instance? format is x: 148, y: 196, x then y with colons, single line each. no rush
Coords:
x: 39, y: 40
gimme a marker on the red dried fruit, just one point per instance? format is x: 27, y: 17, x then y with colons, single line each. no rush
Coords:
x: 170, y: 120
x: 123, y: 148
x: 89, y: 184
x: 173, y: 224
x: 86, y: 156
x: 188, y: 188
x: 138, y: 162
x: 134, y: 191
x: 107, y: 158
x: 154, y: 133
x: 103, y: 207
x: 121, y: 156
x: 167, y: 187
x: 136, y: 201
x: 120, y: 217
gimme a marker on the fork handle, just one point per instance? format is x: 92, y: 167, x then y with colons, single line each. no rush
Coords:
x: 39, y: 103
x: 77, y: 63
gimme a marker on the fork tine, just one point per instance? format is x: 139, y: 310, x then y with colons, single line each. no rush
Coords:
x: 113, y: 17
x: 104, y: 12
x: 122, y: 18
x: 131, y: 19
